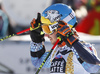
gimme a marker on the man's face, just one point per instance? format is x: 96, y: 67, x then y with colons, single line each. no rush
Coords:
x: 52, y: 37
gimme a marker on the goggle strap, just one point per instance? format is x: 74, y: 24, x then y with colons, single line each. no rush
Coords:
x: 53, y: 27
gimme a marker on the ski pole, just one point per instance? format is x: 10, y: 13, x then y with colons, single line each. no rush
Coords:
x: 18, y: 33
x: 58, y: 39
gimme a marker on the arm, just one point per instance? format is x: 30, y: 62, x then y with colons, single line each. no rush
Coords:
x: 37, y: 49
x: 70, y: 39
x: 38, y: 54
x: 85, y: 54
x: 91, y: 68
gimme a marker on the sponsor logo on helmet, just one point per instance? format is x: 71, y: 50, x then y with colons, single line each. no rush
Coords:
x: 71, y: 15
x: 53, y: 15
x: 54, y: 26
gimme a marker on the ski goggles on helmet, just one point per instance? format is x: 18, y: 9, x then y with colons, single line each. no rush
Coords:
x: 48, y: 28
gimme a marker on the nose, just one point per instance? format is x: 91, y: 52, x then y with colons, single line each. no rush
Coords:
x: 47, y: 35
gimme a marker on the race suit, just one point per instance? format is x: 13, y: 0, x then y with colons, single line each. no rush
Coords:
x: 63, y: 60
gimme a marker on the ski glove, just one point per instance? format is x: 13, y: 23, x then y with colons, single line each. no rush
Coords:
x: 36, y: 35
x: 65, y: 33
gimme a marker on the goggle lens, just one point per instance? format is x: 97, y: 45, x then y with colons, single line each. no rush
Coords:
x: 46, y: 29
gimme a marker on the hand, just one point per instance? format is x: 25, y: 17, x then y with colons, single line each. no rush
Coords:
x: 36, y: 34
x: 66, y: 34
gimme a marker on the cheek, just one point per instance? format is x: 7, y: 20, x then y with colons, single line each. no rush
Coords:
x: 55, y: 37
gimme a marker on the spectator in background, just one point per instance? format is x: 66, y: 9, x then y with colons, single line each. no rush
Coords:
x: 79, y: 3
x: 57, y: 1
x: 3, y: 24
x: 91, y: 23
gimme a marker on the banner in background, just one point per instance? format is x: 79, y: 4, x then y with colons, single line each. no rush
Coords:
x: 91, y: 23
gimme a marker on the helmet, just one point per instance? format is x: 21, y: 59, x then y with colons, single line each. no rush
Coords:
x: 57, y: 12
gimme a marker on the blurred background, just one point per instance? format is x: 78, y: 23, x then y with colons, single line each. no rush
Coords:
x: 16, y: 15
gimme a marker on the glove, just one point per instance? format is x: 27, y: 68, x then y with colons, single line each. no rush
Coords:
x: 36, y: 34
x: 65, y: 33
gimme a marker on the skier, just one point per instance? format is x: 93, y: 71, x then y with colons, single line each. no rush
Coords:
x: 71, y: 55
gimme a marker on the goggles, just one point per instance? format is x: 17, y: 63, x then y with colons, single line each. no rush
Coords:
x: 49, y: 29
